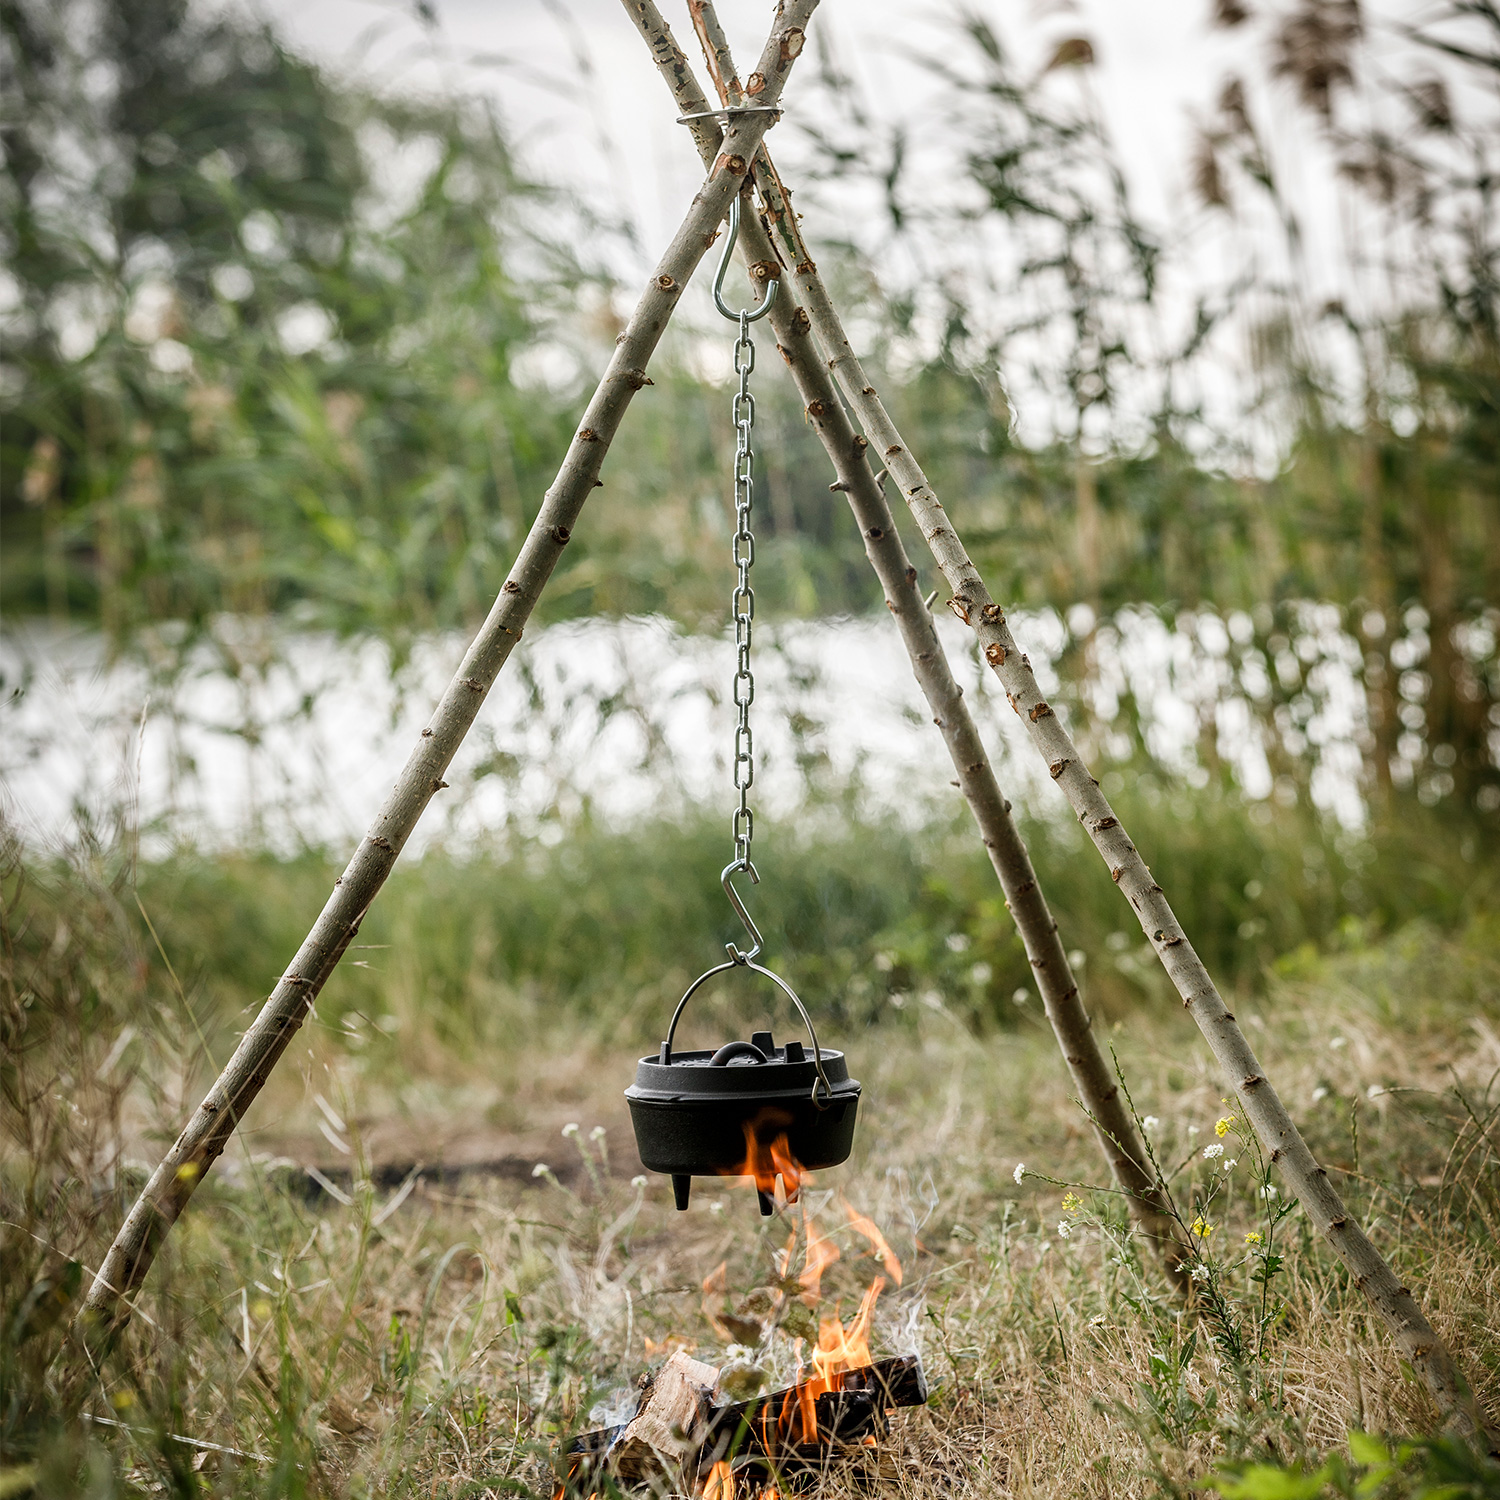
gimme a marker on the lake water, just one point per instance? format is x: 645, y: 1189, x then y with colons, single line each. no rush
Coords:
x: 273, y: 737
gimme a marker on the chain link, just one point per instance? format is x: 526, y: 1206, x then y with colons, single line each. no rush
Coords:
x: 742, y: 601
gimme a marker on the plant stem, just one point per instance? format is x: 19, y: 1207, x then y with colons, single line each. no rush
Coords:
x: 1097, y: 1088
x: 107, y: 1309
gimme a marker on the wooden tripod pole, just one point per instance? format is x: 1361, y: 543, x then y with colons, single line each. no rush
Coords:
x: 1417, y: 1340
x: 107, y: 1307
x: 1098, y: 1090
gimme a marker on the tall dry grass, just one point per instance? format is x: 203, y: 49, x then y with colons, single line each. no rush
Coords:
x: 440, y: 1334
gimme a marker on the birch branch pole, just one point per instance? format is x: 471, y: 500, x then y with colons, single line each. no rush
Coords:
x: 1092, y: 1076
x: 972, y: 603
x: 107, y: 1307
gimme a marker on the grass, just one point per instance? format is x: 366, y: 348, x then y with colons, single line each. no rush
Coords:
x: 441, y: 1342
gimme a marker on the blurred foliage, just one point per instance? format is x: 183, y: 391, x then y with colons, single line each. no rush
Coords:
x: 279, y: 345
x: 604, y: 929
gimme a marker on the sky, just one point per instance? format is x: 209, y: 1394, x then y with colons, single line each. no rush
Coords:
x: 586, y: 109
x: 1157, y: 62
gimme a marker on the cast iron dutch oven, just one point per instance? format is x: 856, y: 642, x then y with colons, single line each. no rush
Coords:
x: 711, y: 1114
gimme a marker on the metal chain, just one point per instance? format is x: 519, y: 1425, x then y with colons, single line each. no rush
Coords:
x: 742, y: 601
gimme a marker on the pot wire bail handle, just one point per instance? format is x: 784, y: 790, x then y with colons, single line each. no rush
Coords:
x: 784, y: 987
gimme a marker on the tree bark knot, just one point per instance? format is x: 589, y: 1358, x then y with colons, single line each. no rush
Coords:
x: 875, y: 534
x: 1167, y: 942
x: 1041, y: 711
x: 666, y: 284
x: 560, y: 535
x: 1059, y: 766
x: 511, y: 587
x: 960, y: 606
x: 816, y: 410
x: 995, y: 653
x: 1103, y: 823
x: 473, y: 684
x: 588, y: 435
x: 438, y: 784
x: 993, y: 614
x: 636, y: 379
x: 1251, y: 1081
x: 380, y: 841
x: 800, y: 320
x: 893, y: 450
x: 792, y: 41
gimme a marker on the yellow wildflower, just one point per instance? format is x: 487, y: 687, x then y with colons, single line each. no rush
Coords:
x: 1253, y: 1238
x: 1072, y: 1203
x: 1202, y: 1228
x: 1221, y: 1127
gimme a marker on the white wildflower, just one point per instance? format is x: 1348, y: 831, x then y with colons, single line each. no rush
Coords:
x: 1020, y: 1172
x: 597, y: 1133
x: 541, y: 1169
x: 1199, y: 1273
x: 639, y: 1181
x: 1268, y: 1192
x: 1338, y: 1042
x: 570, y: 1130
x: 1209, y: 1152
x: 1230, y: 1162
x: 1320, y: 1093
x: 1064, y: 1229
x: 1192, y: 1130
x: 1374, y: 1091
x: 1151, y: 1123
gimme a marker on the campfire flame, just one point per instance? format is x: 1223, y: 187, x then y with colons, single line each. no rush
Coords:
x: 841, y: 1348
x: 768, y: 1155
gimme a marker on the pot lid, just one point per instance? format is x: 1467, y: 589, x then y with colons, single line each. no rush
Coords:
x: 755, y: 1068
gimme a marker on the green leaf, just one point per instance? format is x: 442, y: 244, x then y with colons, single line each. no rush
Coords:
x: 1367, y: 1450
x: 1265, y: 1482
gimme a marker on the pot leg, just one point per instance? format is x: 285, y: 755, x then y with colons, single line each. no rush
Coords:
x: 682, y: 1185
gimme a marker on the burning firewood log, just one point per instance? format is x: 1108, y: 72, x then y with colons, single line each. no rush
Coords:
x: 681, y: 1434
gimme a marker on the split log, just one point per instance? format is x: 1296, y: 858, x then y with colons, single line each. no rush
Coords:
x: 674, y: 1429
x: 668, y: 1429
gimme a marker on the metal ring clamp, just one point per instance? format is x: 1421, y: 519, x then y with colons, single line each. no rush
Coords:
x: 731, y: 112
